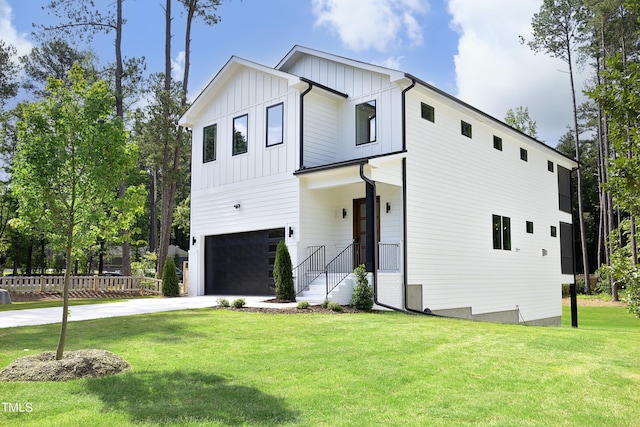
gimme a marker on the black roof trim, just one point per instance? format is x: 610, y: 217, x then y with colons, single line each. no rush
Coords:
x: 482, y: 113
x: 323, y: 87
x: 343, y: 164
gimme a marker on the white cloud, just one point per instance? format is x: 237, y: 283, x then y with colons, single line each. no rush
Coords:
x: 371, y: 24
x: 9, y: 34
x: 177, y: 66
x: 495, y: 72
x: 392, y: 62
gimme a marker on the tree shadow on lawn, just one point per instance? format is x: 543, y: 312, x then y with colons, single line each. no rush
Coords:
x: 168, y: 398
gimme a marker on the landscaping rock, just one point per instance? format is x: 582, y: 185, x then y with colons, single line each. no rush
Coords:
x: 5, y: 298
x: 73, y: 365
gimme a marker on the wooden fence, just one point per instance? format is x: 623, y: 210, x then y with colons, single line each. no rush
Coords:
x: 81, y: 283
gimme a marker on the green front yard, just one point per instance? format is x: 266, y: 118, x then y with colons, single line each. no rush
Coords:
x: 219, y: 367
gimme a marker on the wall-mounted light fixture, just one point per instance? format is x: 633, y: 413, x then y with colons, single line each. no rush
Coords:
x: 344, y: 213
x: 193, y: 240
x: 544, y: 252
x: 290, y: 231
x: 388, y: 207
x: 237, y: 206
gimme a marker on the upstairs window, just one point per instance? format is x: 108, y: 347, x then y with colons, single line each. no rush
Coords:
x: 465, y: 128
x: 209, y: 140
x: 427, y: 112
x: 366, y: 123
x: 529, y: 227
x: 564, y: 189
x: 275, y: 125
x: 497, y: 143
x: 501, y: 232
x: 524, y: 155
x: 240, y: 134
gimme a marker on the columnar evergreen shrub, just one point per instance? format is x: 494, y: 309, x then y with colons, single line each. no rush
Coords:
x: 362, y: 297
x: 283, y: 274
x: 170, y: 280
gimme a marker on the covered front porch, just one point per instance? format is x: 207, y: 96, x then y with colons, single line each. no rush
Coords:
x: 350, y: 214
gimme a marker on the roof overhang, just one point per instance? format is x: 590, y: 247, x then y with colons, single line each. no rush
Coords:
x: 385, y: 169
x: 222, y: 77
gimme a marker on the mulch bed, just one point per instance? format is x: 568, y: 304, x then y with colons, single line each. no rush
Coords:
x: 73, y: 365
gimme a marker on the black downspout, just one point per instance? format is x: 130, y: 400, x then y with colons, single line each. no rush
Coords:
x: 375, y: 241
x: 302, y: 124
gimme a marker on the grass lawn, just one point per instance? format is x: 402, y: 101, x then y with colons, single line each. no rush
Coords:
x: 219, y: 367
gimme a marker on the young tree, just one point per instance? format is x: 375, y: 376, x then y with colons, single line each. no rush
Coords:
x: 559, y: 30
x: 71, y: 155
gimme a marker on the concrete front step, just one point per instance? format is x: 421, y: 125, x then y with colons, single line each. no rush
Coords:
x: 316, y: 292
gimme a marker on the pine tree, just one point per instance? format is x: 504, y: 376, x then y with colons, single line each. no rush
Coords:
x: 283, y: 274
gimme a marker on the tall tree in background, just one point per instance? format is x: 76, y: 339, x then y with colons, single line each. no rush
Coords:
x: 83, y: 20
x: 520, y: 119
x: 72, y: 153
x: 8, y: 73
x: 559, y: 29
x: 175, y: 142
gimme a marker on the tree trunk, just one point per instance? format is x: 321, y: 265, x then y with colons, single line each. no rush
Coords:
x: 153, y: 208
x: 65, y: 297
x: 583, y: 234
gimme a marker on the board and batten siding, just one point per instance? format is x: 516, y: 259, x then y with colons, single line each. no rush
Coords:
x: 454, y: 186
x: 361, y: 86
x: 249, y: 92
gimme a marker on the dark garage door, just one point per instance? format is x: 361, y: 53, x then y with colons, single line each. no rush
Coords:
x: 241, y: 263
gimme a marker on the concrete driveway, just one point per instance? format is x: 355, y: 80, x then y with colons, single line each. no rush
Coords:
x: 43, y: 316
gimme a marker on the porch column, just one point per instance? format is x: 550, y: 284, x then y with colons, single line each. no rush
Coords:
x: 371, y: 227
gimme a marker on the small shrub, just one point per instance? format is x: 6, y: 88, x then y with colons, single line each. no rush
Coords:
x: 238, y: 303
x: 170, y: 282
x: 334, y: 306
x: 362, y: 297
x: 283, y: 274
x: 223, y: 302
x: 325, y: 304
x: 303, y: 305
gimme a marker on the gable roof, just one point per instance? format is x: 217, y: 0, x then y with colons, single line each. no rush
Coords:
x: 298, y: 51
x: 219, y: 80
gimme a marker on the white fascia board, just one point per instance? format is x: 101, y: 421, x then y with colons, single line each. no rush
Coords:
x: 219, y: 80
x: 297, y: 51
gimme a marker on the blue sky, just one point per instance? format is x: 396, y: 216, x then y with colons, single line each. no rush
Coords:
x: 468, y: 48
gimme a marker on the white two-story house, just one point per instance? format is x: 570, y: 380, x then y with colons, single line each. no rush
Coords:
x: 452, y: 211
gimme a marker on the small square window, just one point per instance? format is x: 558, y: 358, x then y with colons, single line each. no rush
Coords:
x: 554, y: 231
x: 209, y: 137
x: 240, y: 134
x: 550, y: 166
x: 427, y: 112
x: 529, y: 227
x: 497, y: 142
x: 523, y: 154
x: 465, y: 128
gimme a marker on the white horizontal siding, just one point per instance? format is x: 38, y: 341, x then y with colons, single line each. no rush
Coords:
x: 454, y: 185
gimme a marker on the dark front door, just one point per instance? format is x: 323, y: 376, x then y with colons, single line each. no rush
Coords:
x: 360, y: 229
x: 241, y: 263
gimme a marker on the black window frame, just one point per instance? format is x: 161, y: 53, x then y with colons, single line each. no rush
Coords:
x: 530, y: 227
x: 269, y: 108
x: 361, y: 114
x: 466, y: 129
x: 524, y: 154
x: 234, y: 151
x: 205, y: 148
x: 497, y: 143
x: 427, y: 112
x: 554, y: 231
x: 501, y: 226
x: 550, y: 166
